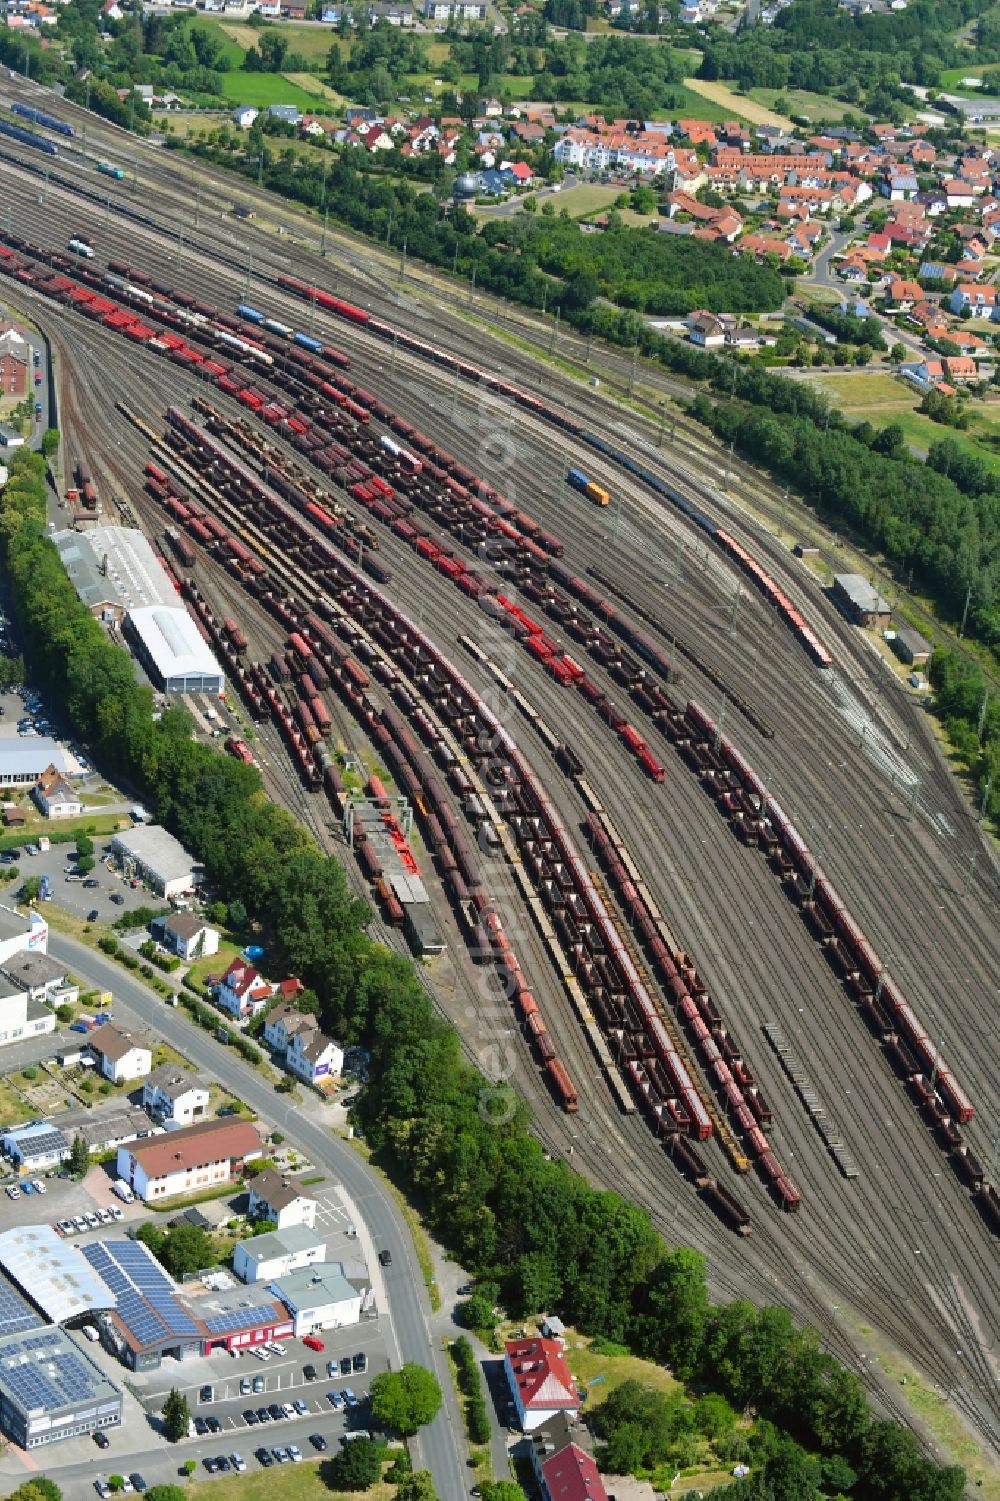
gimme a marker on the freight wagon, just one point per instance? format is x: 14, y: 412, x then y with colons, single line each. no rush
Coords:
x: 80, y: 247
x: 587, y: 487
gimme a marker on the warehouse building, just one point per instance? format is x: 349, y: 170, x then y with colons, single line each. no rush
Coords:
x: 319, y: 1298
x: 24, y: 759
x: 278, y: 1254
x: 859, y: 601
x: 151, y: 1318
x: 175, y: 656
x: 113, y: 570
x: 911, y: 647
x: 156, y: 856
x: 51, y: 1390
x: 52, y: 1273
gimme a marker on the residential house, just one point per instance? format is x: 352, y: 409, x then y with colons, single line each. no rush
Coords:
x: 244, y: 115
x: 901, y: 296
x: 982, y: 300
x: 41, y: 977
x: 187, y: 936
x: 563, y: 1463
x: 705, y: 329
x: 172, y: 1093
x: 313, y: 1057
x: 286, y: 112
x: 199, y: 1156
x: 897, y: 186
x: 958, y: 193
x: 244, y: 992
x: 119, y: 1054
x: 765, y: 245
x: 281, y: 1198
x: 540, y: 1381
x: 55, y: 797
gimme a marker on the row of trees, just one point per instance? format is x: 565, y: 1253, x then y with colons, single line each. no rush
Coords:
x: 536, y: 1235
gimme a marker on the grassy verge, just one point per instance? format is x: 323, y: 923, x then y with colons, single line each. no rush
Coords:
x: 308, y: 1481
x: 414, y: 1224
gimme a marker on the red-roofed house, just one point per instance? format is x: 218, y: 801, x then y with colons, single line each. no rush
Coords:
x: 522, y: 172
x: 244, y: 992
x: 540, y: 1380
x: 572, y: 1475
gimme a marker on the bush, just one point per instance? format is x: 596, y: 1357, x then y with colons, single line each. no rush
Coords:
x: 30, y: 1072
x: 64, y: 1013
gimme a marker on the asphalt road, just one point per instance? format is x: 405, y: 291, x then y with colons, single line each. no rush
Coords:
x: 438, y: 1447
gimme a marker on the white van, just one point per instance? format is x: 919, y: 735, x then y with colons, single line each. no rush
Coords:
x: 123, y: 1191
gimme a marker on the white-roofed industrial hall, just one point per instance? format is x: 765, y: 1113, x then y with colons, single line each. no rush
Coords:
x: 170, y: 648
x: 53, y: 1273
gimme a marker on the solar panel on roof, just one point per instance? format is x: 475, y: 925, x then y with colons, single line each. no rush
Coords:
x: 236, y: 1318
x: 15, y: 1313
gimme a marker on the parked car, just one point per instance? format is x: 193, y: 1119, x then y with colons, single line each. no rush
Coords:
x: 336, y: 1401
x: 259, y: 1384
x: 238, y: 1463
x: 207, y: 1394
x: 38, y: 1185
x: 360, y: 1362
x: 313, y: 1342
x: 214, y: 1426
x: 300, y: 1407
x: 263, y: 1416
x: 200, y: 1427
x: 93, y: 915
x: 318, y: 1442
x: 275, y: 1411
x: 309, y: 1372
x: 101, y: 1439
x: 250, y: 1417
x: 264, y: 1458
x: 294, y: 1453
x: 12, y: 1191
x: 138, y: 1483
x: 102, y: 1488
x: 345, y: 1366
x: 118, y: 899
x: 245, y: 1387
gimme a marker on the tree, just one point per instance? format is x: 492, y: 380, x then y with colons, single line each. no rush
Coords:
x: 85, y: 864
x: 65, y: 1013
x: 50, y: 441
x: 418, y: 1487
x: 39, y: 1488
x: 189, y: 1466
x: 237, y: 915
x: 30, y: 888
x: 897, y: 354
x: 79, y: 1157
x: 84, y: 844
x: 176, y: 1415
x: 185, y: 1249
x: 502, y: 1490
x: 358, y: 1465
x: 403, y: 1401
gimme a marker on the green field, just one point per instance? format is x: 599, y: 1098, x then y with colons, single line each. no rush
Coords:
x: 809, y: 106
x: 951, y: 78
x: 263, y: 89
x: 882, y: 399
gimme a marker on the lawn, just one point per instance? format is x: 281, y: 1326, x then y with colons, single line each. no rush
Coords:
x: 302, y: 1482
x: 809, y: 106
x: 263, y: 89
x: 951, y: 79
x: 882, y: 399
x: 215, y: 964
x: 232, y: 51
x: 13, y: 1110
x: 587, y: 199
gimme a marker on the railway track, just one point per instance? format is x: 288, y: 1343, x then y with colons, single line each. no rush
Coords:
x: 608, y: 764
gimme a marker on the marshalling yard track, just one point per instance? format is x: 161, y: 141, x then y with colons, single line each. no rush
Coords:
x: 731, y: 1043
